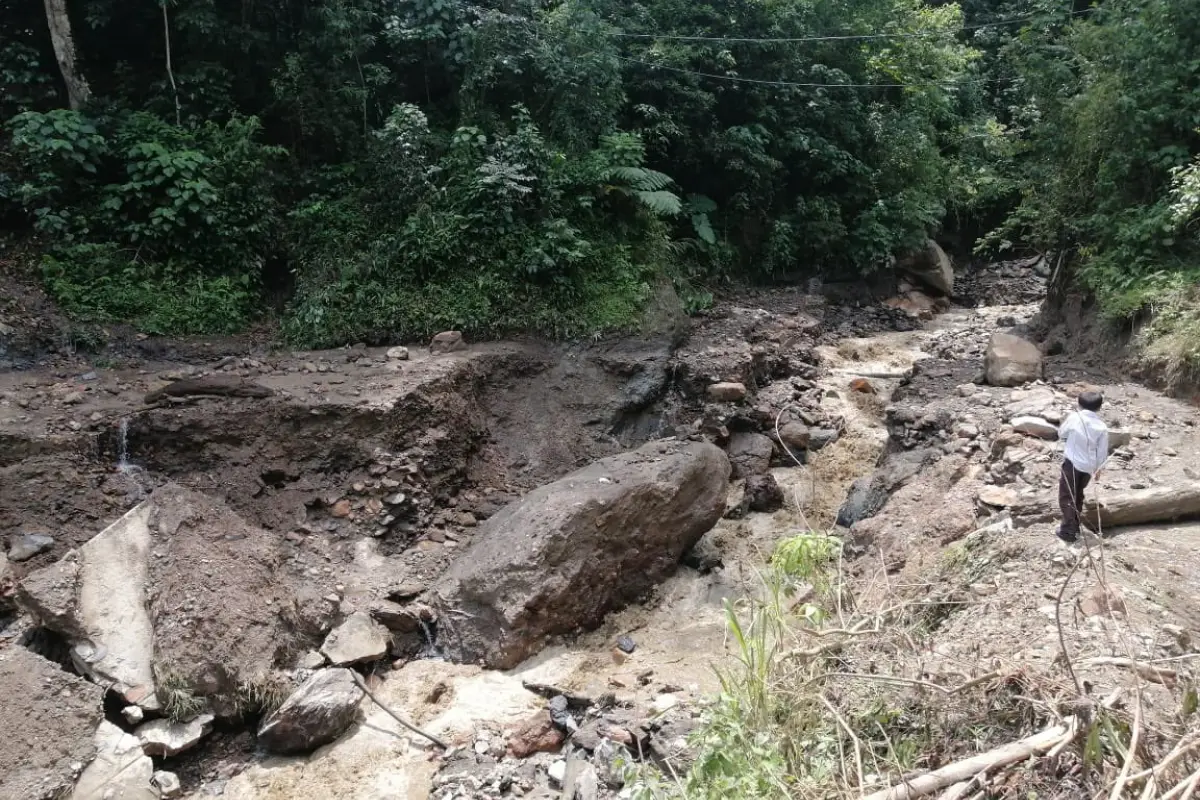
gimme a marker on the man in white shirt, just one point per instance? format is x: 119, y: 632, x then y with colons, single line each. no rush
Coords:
x: 1086, y: 438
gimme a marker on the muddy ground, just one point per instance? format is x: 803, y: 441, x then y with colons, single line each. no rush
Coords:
x: 341, y: 433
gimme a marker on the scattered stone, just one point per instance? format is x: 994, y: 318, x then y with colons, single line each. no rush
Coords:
x: 25, y: 546
x: 538, y: 734
x: 120, y: 770
x: 1011, y: 361
x: 626, y: 644
x: 311, y: 660
x: 341, y: 509
x: 314, y: 715
x: 53, y: 716
x: 586, y: 786
x: 727, y: 392
x: 862, y: 386
x: 930, y: 266
x: 134, y: 715
x: 564, y: 556
x: 1098, y: 602
x: 750, y: 454
x: 167, y: 783
x: 998, y: 496
x: 822, y: 437
x: 762, y: 493
x: 447, y: 342
x: 795, y: 435
x: 557, y: 772
x: 161, y: 737
x: 1035, y: 426
x: 398, y: 353
x: 356, y: 640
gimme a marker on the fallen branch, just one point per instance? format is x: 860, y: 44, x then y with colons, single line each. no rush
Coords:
x: 845, y: 726
x: 1149, y: 672
x: 969, y: 768
x: 363, y: 685
x: 911, y: 681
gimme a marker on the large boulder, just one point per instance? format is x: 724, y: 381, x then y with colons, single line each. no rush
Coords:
x: 1011, y: 361
x: 576, y: 549
x: 49, y: 718
x: 180, y: 595
x: 932, y: 267
x: 314, y: 715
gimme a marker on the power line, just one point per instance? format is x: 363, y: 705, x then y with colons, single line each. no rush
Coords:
x: 830, y: 38
x: 784, y: 84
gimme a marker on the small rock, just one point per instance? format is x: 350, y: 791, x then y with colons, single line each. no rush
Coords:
x: 862, y: 386
x: 447, y: 342
x: 134, y: 715
x: 966, y: 431
x: 311, y: 660
x: 998, y: 496
x: 538, y: 734
x: 119, y: 770
x: 167, y: 783
x: 823, y: 437
x: 1098, y: 601
x: 626, y: 644
x: 356, y: 640
x: 72, y: 398
x: 161, y: 737
x: 762, y: 493
x: 398, y: 353
x: 795, y: 435
x: 727, y: 392
x: 341, y: 509
x: 587, y: 784
x: 25, y: 546
x: 314, y: 715
x: 1035, y: 426
x: 558, y: 771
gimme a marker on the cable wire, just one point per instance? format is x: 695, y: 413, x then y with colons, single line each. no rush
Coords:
x: 830, y: 38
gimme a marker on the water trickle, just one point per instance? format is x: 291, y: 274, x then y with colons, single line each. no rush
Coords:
x: 430, y: 650
x: 123, y: 464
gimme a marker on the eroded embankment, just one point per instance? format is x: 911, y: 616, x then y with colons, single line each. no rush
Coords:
x: 359, y: 477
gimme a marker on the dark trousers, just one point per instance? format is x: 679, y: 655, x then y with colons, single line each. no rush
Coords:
x: 1071, y: 484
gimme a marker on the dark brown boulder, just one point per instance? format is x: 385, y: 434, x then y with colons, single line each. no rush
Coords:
x: 576, y: 549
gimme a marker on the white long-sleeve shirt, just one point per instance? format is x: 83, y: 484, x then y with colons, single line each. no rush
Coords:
x: 1086, y: 436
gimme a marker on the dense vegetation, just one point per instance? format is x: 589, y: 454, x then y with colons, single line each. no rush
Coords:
x: 378, y: 170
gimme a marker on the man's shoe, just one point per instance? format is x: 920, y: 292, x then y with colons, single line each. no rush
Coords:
x: 1067, y: 536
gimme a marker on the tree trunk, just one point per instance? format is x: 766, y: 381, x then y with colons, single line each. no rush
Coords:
x: 64, y: 50
x: 1160, y: 504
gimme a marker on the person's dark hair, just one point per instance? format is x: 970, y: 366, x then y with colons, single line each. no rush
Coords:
x: 1091, y: 401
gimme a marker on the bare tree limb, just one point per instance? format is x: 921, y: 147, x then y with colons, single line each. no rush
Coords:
x: 969, y: 768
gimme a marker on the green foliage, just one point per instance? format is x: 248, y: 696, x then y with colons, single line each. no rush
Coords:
x: 103, y: 283
x: 495, y: 234
x: 1104, y: 168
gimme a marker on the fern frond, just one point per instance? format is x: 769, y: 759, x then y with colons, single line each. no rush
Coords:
x: 640, y: 178
x: 664, y: 204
